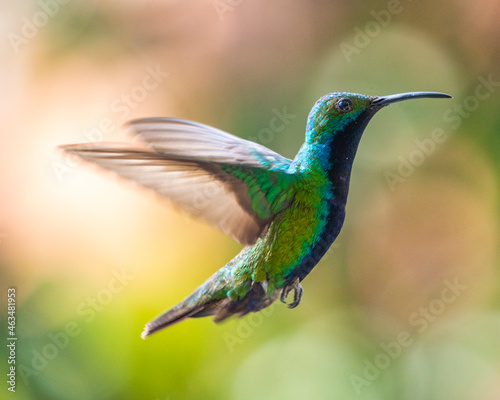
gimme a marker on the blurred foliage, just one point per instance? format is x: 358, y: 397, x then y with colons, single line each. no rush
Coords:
x: 406, y: 303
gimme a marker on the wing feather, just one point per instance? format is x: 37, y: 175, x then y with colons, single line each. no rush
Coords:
x: 228, y: 181
x: 192, y: 140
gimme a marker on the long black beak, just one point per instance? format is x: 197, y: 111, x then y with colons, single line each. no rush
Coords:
x: 394, y: 98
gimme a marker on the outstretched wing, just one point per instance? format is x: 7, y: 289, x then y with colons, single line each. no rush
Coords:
x: 233, y: 184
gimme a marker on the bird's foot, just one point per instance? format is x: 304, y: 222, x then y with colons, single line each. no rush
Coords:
x: 297, y: 292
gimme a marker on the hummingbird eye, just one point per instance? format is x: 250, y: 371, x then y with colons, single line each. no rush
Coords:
x: 344, y: 105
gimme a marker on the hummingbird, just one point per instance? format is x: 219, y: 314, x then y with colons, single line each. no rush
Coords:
x: 286, y: 213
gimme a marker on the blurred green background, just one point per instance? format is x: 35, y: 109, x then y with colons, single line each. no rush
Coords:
x: 406, y: 303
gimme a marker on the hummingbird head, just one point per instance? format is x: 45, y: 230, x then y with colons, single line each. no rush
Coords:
x: 351, y: 112
x: 337, y: 122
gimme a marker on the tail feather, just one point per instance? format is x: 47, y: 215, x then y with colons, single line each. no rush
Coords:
x: 201, y: 303
x: 177, y: 314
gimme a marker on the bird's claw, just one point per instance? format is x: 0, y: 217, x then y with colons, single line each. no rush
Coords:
x: 297, y: 293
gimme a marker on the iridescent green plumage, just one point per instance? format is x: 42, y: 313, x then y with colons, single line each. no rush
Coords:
x: 285, y: 212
